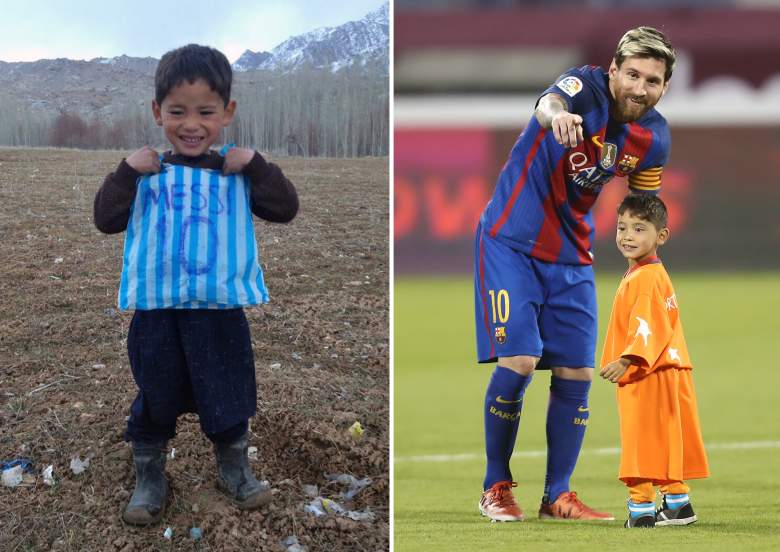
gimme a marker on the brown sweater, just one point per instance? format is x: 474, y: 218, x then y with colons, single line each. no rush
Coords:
x: 273, y: 197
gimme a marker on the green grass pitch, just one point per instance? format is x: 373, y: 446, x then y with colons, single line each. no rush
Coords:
x: 732, y: 330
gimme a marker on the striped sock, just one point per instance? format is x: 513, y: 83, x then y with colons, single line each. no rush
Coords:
x: 639, y: 509
x: 675, y: 501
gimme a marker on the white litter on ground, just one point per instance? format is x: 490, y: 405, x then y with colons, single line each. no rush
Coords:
x: 48, y: 475
x: 12, y: 477
x: 77, y: 465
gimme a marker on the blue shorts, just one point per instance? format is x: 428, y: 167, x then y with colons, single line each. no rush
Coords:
x: 524, y: 306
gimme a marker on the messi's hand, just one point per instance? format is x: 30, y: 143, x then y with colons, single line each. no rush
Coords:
x: 567, y: 129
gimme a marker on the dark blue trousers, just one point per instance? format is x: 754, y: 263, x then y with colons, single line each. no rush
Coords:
x: 191, y: 360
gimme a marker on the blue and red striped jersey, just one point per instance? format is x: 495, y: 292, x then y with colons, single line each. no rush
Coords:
x: 544, y: 194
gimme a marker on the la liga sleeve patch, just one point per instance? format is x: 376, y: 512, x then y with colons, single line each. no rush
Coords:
x: 570, y: 85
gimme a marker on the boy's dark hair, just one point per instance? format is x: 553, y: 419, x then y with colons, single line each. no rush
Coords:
x: 190, y: 63
x: 646, y: 207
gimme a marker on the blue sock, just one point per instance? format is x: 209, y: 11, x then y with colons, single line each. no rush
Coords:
x: 639, y: 509
x: 503, y: 404
x: 567, y: 418
x: 675, y: 501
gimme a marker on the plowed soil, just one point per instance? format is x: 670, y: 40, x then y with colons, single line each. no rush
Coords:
x: 321, y: 356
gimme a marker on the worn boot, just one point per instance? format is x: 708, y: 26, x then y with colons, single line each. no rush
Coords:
x: 147, y: 504
x: 236, y: 480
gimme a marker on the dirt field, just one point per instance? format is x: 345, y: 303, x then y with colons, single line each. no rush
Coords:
x: 321, y: 355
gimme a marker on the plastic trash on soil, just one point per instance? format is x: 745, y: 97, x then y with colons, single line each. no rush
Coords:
x: 331, y: 506
x: 353, y: 484
x: 24, y: 463
x: 315, y: 507
x: 168, y: 533
x: 356, y: 430
x: 196, y: 533
x: 12, y: 477
x: 364, y: 515
x: 321, y: 506
x: 251, y: 452
x: 13, y: 471
x: 48, y: 475
x: 291, y: 544
x: 77, y: 465
x: 311, y: 490
x: 172, y: 454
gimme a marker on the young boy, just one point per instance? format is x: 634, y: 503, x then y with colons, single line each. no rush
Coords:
x: 190, y: 264
x: 646, y: 355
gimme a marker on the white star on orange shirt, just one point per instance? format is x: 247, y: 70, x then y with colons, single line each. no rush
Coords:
x: 643, y: 330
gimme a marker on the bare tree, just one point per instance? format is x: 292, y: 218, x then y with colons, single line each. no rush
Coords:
x: 309, y: 112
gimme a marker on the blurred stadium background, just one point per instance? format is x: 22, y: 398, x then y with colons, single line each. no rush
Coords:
x: 467, y: 75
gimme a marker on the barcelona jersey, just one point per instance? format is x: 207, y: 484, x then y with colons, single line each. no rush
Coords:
x: 545, y: 192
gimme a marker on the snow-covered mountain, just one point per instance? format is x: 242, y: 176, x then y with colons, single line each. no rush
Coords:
x: 142, y: 65
x: 251, y: 60
x: 108, y: 88
x: 356, y: 42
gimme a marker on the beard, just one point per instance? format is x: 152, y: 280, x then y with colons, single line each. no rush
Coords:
x: 626, y: 110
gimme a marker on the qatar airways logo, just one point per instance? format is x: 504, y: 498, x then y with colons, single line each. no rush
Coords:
x: 591, y: 178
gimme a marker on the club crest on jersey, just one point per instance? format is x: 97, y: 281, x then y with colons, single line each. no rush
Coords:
x: 591, y: 177
x: 627, y: 163
x: 570, y: 85
x: 608, y: 155
x: 500, y: 335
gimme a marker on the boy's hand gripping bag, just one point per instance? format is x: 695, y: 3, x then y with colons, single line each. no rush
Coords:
x: 190, y: 243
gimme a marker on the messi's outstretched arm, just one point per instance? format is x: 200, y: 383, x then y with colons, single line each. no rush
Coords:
x: 552, y: 113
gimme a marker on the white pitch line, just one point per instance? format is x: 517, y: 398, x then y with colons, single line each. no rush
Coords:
x: 608, y: 451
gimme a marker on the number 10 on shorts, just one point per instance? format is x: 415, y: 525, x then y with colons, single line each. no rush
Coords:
x: 499, y: 303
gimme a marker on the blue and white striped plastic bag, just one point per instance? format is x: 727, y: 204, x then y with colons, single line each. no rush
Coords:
x: 190, y: 243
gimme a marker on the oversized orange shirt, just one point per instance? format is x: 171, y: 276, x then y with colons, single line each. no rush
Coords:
x: 659, y: 423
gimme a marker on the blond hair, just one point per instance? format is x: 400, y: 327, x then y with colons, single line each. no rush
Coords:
x: 646, y: 42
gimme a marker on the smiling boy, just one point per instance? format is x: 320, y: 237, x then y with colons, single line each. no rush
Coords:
x: 646, y: 355
x: 189, y: 344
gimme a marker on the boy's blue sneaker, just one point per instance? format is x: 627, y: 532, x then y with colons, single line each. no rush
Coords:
x: 675, y: 510
x: 641, y: 521
x: 640, y: 514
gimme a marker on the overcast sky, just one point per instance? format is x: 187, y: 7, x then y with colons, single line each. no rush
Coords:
x: 85, y: 29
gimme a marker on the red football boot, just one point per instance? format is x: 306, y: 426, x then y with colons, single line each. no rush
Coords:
x: 568, y: 506
x: 499, y: 504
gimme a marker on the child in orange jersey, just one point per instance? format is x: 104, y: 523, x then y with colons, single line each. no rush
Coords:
x: 645, y: 354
